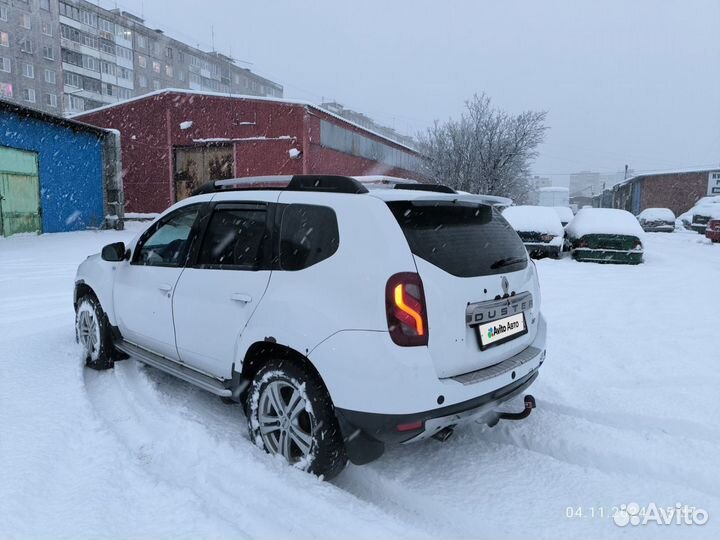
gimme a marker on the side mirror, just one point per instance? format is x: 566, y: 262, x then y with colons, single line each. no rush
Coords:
x: 113, y: 252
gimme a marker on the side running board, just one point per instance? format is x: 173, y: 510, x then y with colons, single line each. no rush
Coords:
x: 171, y: 367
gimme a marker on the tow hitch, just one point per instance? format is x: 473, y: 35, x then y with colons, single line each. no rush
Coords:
x: 529, y: 406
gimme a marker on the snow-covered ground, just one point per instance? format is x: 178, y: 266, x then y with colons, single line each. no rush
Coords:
x: 628, y: 411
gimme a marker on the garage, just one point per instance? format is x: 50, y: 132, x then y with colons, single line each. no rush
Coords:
x: 56, y: 175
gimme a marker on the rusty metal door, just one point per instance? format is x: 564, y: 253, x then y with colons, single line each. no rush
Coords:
x: 19, y: 192
x: 194, y: 166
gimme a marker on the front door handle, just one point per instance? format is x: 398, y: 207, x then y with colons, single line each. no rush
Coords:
x: 165, y: 288
x: 241, y: 297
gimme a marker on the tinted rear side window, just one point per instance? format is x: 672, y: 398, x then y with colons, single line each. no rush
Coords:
x: 308, y: 234
x: 464, y: 239
x: 235, y: 239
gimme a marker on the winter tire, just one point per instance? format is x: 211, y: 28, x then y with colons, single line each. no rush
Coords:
x: 290, y: 413
x: 93, y: 333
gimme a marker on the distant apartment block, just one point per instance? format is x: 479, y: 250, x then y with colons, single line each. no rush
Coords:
x: 69, y: 56
x: 368, y: 123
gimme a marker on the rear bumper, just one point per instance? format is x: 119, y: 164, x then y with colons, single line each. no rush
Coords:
x: 539, y: 249
x: 659, y: 228
x: 607, y: 256
x: 699, y: 227
x: 366, y: 434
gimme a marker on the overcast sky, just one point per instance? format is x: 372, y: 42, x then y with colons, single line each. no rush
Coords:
x: 634, y: 82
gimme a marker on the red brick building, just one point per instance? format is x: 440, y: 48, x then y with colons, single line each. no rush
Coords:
x: 677, y: 191
x: 175, y: 140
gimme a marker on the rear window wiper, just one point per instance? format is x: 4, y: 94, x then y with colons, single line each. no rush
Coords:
x: 507, y: 262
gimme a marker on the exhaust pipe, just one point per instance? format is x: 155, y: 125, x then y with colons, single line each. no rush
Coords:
x: 444, y: 434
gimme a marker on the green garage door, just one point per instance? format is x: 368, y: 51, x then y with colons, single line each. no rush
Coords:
x: 19, y: 192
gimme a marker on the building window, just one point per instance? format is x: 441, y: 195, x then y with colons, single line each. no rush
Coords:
x: 29, y: 95
x: 89, y: 18
x: 45, y: 4
x: 108, y: 89
x: 26, y: 46
x: 123, y: 33
x: 181, y: 75
x: 181, y: 57
x: 50, y: 76
x: 50, y: 100
x: 74, y: 103
x: 3, y: 13
x: 141, y: 41
x: 70, y: 11
x: 168, y: 70
x: 90, y: 41
x: 124, y: 52
x: 4, y: 39
x: 107, y: 26
x: 156, y: 67
x: 72, y: 79
x: 5, y: 65
x: 141, y: 61
x: 6, y: 90
x: 28, y: 70
x: 124, y: 73
x: 47, y: 28
x: 168, y: 53
x: 156, y: 84
x: 49, y: 52
x: 26, y: 23
x: 123, y: 93
x: 107, y: 68
x: 88, y: 62
x: 142, y: 81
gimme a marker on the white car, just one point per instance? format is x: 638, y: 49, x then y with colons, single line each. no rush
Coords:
x: 343, y: 318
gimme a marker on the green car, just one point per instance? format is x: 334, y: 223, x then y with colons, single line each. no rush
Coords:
x: 606, y: 235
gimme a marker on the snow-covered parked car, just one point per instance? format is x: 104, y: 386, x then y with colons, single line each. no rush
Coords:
x: 712, y: 232
x: 606, y: 235
x: 565, y: 214
x: 703, y: 211
x: 539, y: 228
x: 657, y: 220
x: 325, y: 309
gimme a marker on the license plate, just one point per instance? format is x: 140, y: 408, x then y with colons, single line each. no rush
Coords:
x: 501, y: 330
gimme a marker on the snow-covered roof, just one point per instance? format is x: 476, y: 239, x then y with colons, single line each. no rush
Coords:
x: 604, y: 221
x: 554, y: 189
x: 539, y: 219
x: 247, y: 98
x: 666, y: 172
x: 565, y: 213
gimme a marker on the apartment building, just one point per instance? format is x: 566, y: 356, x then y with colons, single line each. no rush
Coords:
x: 30, y: 70
x: 72, y: 55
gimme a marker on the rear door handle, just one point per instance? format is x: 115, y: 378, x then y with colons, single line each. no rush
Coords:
x: 241, y: 297
x: 164, y: 287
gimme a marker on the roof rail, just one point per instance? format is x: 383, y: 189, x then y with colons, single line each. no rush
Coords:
x: 438, y: 188
x: 317, y: 183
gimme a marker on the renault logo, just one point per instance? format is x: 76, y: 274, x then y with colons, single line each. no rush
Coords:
x: 505, y: 285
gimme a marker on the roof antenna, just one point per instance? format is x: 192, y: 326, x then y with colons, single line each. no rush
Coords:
x: 212, y: 33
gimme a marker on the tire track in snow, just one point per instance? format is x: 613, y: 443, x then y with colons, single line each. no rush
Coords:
x: 656, y: 456
x: 191, y: 441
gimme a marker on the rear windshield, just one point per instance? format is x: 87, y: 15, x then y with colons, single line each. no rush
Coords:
x: 464, y: 239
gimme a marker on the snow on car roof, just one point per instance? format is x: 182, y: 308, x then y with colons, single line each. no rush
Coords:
x: 657, y: 214
x: 604, y: 221
x: 540, y: 219
x: 709, y: 210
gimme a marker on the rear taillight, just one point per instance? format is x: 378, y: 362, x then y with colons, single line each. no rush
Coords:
x: 406, y: 310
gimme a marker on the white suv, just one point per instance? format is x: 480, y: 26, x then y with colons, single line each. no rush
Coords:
x: 343, y: 318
